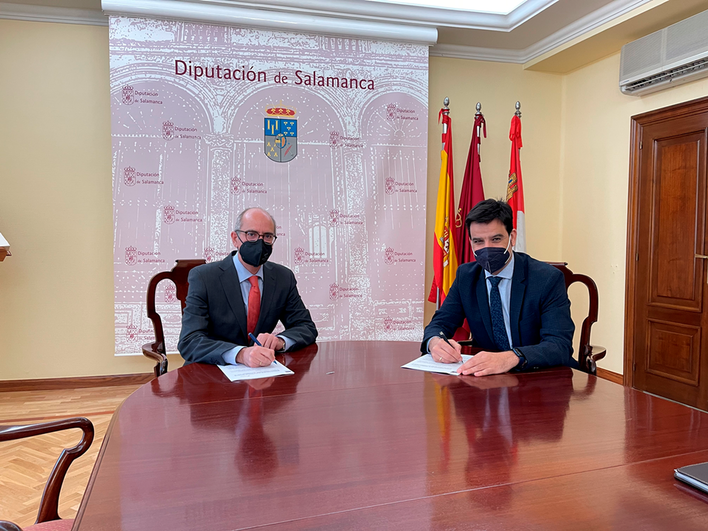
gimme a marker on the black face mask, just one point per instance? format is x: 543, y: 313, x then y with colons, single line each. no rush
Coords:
x: 255, y: 253
x: 492, y: 258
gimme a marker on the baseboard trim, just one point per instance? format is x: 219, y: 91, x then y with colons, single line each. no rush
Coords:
x: 43, y: 384
x: 609, y: 375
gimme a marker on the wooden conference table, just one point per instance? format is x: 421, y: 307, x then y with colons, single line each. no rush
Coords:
x: 352, y: 441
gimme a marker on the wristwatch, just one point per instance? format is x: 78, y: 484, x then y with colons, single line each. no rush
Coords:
x: 522, y: 359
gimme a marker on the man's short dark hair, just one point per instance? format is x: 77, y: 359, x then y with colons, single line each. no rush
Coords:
x: 487, y: 211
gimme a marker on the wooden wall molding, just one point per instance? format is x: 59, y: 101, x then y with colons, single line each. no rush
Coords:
x: 42, y: 384
x: 609, y: 375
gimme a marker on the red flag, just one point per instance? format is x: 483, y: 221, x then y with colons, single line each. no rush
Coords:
x: 444, y: 252
x: 472, y: 190
x: 515, y: 188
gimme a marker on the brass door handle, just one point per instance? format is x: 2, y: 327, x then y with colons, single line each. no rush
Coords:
x: 702, y: 256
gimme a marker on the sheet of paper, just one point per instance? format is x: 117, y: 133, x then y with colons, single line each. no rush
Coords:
x: 241, y: 372
x: 3, y: 242
x: 427, y: 364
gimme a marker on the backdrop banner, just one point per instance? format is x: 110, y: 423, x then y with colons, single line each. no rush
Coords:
x: 328, y: 134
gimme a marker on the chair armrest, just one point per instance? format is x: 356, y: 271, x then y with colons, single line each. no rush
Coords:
x: 9, y: 526
x: 49, y: 505
x: 597, y: 353
x: 591, y: 356
x: 156, y: 351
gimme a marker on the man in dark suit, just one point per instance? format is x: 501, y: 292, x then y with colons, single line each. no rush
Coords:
x: 517, y: 307
x: 224, y: 302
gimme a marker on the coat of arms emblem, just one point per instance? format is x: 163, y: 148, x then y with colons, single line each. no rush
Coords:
x: 168, y: 214
x: 280, y: 134
x: 129, y: 176
x: 131, y: 255
x: 388, y: 256
x: 128, y: 95
x: 168, y: 130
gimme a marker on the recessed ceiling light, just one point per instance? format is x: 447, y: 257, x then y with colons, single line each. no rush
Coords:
x: 501, y: 7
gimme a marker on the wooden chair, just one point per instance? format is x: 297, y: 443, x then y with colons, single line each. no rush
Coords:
x: 178, y: 275
x: 588, y: 355
x: 48, y: 515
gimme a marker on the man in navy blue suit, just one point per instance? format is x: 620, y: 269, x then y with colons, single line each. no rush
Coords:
x: 517, y: 307
x: 244, y: 294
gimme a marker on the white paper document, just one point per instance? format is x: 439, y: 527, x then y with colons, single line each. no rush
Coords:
x: 427, y: 364
x: 4, y: 243
x: 242, y: 372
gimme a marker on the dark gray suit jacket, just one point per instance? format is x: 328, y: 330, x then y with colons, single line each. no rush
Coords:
x: 214, y: 319
x: 539, y: 313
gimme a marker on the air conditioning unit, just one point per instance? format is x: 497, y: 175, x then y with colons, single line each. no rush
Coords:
x: 668, y: 57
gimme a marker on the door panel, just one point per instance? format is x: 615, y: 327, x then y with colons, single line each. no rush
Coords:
x: 675, y: 182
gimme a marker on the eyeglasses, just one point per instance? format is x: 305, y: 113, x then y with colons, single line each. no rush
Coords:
x: 253, y: 236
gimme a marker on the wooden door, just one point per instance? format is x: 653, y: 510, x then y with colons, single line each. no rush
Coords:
x: 667, y: 318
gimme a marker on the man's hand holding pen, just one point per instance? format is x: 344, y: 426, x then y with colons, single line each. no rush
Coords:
x: 445, y: 350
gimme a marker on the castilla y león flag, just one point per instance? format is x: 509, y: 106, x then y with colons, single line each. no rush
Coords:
x: 472, y: 190
x: 515, y: 188
x: 444, y: 251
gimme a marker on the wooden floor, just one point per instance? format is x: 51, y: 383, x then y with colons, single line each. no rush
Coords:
x: 25, y: 464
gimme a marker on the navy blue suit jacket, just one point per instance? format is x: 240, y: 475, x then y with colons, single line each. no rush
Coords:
x: 214, y: 319
x: 539, y: 313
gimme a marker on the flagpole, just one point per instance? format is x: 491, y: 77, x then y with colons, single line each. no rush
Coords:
x: 479, y: 126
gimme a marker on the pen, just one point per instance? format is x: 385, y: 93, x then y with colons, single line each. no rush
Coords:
x: 253, y: 338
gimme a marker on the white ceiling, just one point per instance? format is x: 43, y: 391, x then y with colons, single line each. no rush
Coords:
x: 530, y: 32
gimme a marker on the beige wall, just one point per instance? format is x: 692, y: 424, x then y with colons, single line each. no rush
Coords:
x: 56, y: 292
x: 595, y: 176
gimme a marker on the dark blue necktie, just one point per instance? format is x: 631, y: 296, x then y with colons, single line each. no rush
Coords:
x: 495, y: 307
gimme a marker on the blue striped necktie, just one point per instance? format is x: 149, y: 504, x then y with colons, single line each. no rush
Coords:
x: 495, y: 308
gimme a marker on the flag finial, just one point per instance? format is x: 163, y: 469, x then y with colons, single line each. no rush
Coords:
x: 518, y: 109
x: 479, y: 109
x: 446, y: 103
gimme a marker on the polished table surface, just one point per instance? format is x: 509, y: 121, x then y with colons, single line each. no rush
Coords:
x: 352, y: 441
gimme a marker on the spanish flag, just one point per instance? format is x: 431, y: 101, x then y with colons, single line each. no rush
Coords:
x: 444, y: 249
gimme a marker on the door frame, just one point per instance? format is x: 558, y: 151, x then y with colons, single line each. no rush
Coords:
x: 639, y: 121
